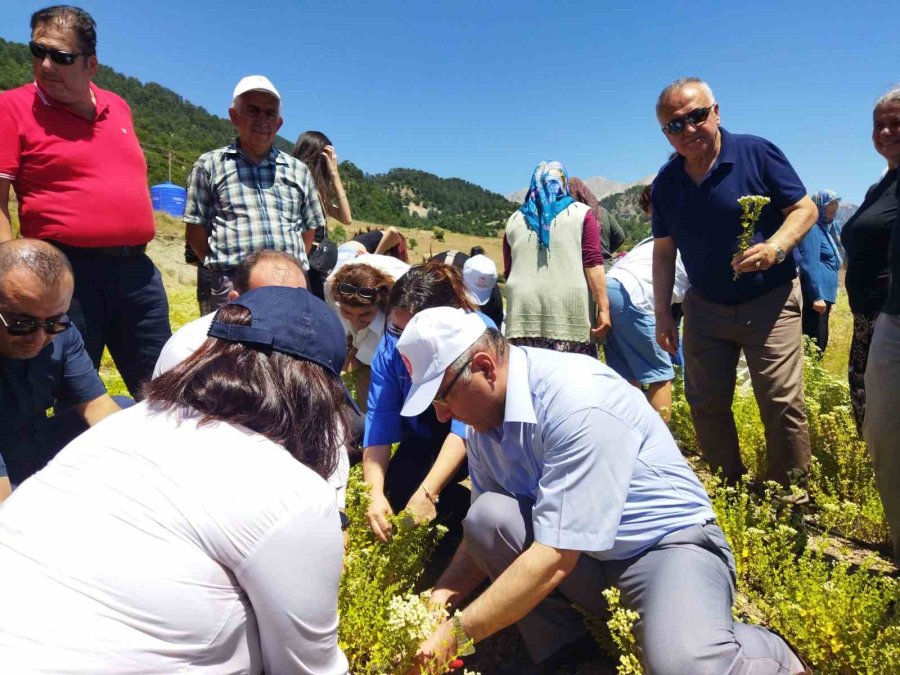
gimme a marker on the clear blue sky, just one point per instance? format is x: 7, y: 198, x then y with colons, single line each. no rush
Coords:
x: 484, y: 90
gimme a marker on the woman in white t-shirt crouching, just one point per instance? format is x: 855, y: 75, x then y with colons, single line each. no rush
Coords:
x: 196, y: 530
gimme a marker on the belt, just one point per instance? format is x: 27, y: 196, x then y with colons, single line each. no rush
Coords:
x: 108, y: 251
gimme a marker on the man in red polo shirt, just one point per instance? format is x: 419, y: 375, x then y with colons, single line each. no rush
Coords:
x: 70, y: 151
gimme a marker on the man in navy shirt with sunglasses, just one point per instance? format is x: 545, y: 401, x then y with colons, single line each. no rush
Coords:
x: 739, y: 299
x: 43, y: 363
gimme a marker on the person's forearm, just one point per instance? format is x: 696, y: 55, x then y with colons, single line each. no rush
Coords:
x: 798, y: 219
x: 375, y: 464
x: 198, y: 239
x: 343, y: 204
x: 309, y: 236
x: 5, y: 488
x: 448, y: 461
x: 525, y: 583
x: 663, y: 281
x: 6, y: 233
x: 389, y: 240
x: 596, y: 279
x: 461, y: 577
x: 98, y: 409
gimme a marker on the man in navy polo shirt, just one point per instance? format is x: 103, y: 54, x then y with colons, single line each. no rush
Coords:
x: 43, y: 363
x: 746, y: 300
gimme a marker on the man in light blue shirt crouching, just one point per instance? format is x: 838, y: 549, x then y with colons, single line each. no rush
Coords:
x: 577, y: 485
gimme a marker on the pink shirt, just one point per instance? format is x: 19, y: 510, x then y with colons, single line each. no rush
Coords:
x: 78, y: 182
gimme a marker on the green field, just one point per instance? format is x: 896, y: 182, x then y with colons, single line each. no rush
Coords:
x: 823, y: 578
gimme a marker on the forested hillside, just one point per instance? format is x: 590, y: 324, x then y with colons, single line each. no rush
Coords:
x: 412, y: 198
x: 170, y: 126
x: 165, y: 122
x: 624, y: 205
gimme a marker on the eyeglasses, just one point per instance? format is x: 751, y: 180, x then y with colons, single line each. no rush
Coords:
x: 27, y: 326
x: 61, y: 58
x: 442, y: 398
x: 365, y: 292
x: 696, y: 117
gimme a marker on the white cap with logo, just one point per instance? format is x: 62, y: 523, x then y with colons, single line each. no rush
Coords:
x: 255, y: 83
x: 432, y: 340
x: 480, y: 277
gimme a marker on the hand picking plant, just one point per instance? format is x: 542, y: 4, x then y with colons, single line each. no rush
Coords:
x: 382, y: 619
x: 752, y: 206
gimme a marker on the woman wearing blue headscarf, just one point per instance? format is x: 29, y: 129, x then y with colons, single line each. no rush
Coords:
x: 552, y: 259
x: 819, y: 257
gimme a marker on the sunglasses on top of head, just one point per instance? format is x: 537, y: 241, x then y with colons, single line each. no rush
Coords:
x: 19, y: 326
x: 58, y: 57
x: 365, y: 292
x: 696, y: 117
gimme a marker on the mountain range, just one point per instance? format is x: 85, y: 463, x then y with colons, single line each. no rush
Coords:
x: 600, y: 186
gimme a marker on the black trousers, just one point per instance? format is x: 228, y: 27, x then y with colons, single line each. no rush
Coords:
x: 815, y: 325
x: 411, y: 463
x: 120, y: 303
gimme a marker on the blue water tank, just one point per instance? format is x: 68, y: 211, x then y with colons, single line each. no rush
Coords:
x: 168, y: 197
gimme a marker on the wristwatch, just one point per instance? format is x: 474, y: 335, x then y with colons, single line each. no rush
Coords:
x: 780, y: 253
x: 465, y: 645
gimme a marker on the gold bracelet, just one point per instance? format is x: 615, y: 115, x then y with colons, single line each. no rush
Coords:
x: 465, y: 646
x: 434, y: 500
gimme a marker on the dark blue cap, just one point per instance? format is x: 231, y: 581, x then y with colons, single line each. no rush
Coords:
x: 291, y: 321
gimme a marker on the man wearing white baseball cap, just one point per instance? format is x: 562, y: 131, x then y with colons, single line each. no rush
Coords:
x: 248, y: 196
x: 577, y: 485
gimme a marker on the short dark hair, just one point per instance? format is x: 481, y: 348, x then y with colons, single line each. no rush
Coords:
x: 644, y: 200
x: 476, y: 250
x: 75, y: 18
x: 245, y: 268
x: 295, y: 403
x: 47, y: 264
x: 431, y: 284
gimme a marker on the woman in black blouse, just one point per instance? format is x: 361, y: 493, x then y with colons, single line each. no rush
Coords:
x: 866, y: 238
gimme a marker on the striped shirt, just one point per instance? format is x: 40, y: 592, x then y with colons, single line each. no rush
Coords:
x: 246, y: 207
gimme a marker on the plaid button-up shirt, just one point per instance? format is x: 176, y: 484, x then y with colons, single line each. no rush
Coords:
x: 246, y: 207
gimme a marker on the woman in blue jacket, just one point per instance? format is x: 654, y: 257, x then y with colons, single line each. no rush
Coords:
x: 423, y: 473
x: 819, y: 257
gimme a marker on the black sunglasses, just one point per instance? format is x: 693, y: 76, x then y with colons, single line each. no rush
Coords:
x: 27, y: 326
x: 442, y: 398
x: 697, y: 116
x: 365, y: 292
x: 61, y: 58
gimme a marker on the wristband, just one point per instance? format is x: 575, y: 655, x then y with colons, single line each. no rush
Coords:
x: 434, y: 500
x: 465, y: 646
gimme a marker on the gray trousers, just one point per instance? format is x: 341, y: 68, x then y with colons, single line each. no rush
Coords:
x: 881, y: 425
x: 682, y: 588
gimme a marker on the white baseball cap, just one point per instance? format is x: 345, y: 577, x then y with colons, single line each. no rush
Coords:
x: 255, y: 83
x: 480, y: 277
x: 432, y: 340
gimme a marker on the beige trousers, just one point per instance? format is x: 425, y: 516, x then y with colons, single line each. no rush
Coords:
x: 768, y: 329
